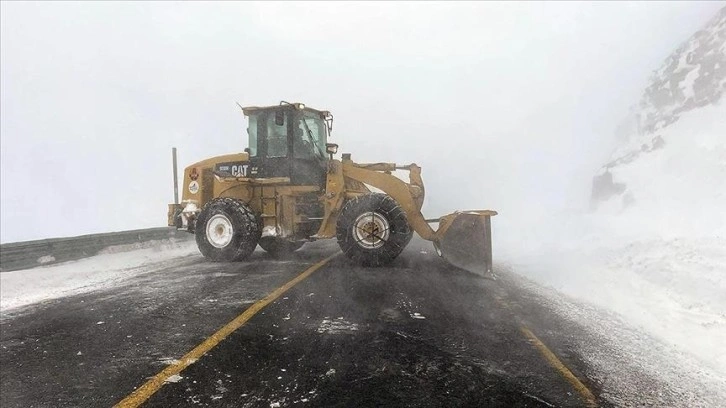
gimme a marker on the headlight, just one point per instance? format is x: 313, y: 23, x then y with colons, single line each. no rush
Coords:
x: 331, y: 148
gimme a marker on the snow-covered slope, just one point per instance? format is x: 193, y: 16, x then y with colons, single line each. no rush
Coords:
x: 652, y: 248
x: 678, y: 188
x: 661, y: 204
x: 676, y: 133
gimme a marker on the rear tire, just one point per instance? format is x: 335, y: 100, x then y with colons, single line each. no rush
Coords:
x: 373, y: 229
x: 279, y: 247
x: 227, y: 230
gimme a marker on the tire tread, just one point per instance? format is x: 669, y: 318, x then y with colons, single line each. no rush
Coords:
x: 247, y: 230
x: 385, y: 205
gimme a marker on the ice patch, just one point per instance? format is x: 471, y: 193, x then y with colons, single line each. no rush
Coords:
x: 45, y: 259
x: 174, y: 378
x: 687, y: 84
x: 407, y: 305
x: 221, y: 275
x: 220, y: 388
x: 338, y: 326
x: 168, y: 361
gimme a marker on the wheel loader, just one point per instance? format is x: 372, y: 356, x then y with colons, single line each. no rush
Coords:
x: 287, y: 189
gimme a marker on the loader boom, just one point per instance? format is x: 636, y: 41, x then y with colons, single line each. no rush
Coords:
x: 456, y: 233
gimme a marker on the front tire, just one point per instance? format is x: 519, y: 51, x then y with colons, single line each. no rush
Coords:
x: 373, y: 229
x: 227, y: 230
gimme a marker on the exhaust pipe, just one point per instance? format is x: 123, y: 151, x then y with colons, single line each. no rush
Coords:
x: 176, y: 182
x: 174, y: 212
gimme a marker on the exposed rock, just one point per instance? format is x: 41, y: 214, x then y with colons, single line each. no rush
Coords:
x: 693, y: 76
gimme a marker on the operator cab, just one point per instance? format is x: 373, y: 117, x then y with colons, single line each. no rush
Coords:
x: 288, y: 140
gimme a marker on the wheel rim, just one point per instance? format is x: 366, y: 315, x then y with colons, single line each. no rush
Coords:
x: 219, y: 231
x: 371, y: 230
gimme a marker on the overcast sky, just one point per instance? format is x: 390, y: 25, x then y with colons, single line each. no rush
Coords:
x: 505, y: 105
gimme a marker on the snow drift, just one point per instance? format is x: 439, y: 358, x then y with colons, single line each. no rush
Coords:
x: 652, y: 246
x: 111, y: 267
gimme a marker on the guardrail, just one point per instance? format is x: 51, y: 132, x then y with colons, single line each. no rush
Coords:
x: 29, y: 254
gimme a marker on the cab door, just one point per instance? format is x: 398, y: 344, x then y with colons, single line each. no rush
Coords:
x: 270, y: 144
x: 309, y: 161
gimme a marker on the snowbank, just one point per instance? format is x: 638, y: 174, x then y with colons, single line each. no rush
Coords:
x: 673, y: 289
x: 656, y: 255
x: 680, y: 188
x: 113, y: 265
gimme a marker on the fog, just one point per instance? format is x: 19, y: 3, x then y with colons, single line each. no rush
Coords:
x: 505, y: 106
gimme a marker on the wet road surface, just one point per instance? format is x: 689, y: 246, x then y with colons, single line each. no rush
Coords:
x: 416, y: 333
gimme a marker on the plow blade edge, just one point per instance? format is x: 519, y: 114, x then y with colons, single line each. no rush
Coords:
x: 465, y: 241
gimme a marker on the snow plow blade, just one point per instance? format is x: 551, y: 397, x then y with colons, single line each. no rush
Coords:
x: 464, y: 239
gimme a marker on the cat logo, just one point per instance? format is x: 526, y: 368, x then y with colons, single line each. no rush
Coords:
x: 239, y: 171
x: 193, y: 174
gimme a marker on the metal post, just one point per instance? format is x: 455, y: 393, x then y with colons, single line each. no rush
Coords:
x: 176, y: 185
x: 488, y: 244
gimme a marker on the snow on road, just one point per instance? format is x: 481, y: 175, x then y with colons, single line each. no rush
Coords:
x: 109, y: 268
x: 673, y: 289
x: 655, y: 254
x: 633, y: 367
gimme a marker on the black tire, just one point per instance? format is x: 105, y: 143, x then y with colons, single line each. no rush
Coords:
x: 235, y: 222
x: 377, y: 247
x: 279, y: 247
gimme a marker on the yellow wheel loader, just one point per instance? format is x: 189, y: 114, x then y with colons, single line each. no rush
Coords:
x: 287, y: 189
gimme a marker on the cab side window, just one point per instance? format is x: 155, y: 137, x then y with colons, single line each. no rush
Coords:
x: 301, y: 145
x: 252, y: 131
x: 277, y: 134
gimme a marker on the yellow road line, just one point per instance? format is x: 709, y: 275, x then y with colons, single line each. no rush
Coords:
x: 143, y: 393
x: 555, y: 362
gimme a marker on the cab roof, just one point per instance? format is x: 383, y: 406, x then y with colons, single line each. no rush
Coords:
x: 283, y: 105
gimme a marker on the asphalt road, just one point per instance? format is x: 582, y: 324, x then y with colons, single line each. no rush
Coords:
x: 416, y: 333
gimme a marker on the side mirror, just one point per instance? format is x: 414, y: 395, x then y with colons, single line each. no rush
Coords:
x: 279, y: 118
x: 328, y: 118
x: 329, y: 121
